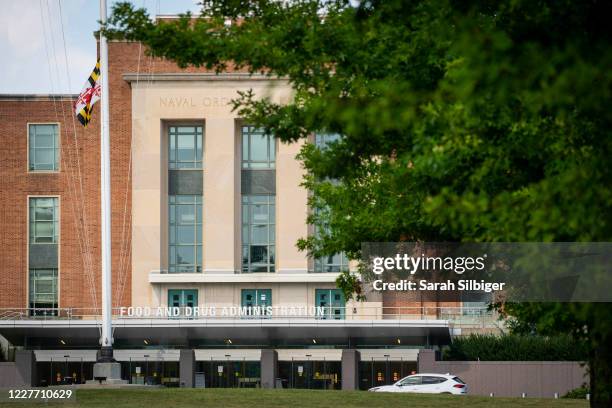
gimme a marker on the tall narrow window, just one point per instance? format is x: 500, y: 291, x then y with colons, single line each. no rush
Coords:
x: 44, y: 220
x: 43, y: 147
x: 337, y: 262
x: 185, y: 147
x: 258, y: 233
x: 185, y: 234
x: 258, y: 149
x: 43, y: 291
x: 185, y: 153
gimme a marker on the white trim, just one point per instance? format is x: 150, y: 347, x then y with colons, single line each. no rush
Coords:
x: 396, y: 354
x: 218, y: 271
x: 60, y: 355
x: 293, y: 270
x: 309, y: 354
x: 242, y: 277
x: 147, y: 354
x: 227, y: 354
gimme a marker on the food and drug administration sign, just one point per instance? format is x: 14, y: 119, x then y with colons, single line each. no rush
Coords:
x: 223, y: 312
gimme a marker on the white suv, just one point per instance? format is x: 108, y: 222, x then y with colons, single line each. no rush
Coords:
x: 427, y: 384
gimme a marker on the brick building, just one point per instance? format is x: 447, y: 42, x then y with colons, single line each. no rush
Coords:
x: 206, y: 211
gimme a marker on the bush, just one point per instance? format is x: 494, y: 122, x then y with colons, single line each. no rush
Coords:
x: 515, y: 348
x: 577, y: 393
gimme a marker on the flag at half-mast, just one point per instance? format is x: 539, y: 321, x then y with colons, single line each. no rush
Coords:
x: 90, y: 94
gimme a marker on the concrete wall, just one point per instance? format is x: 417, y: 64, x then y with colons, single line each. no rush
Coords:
x: 269, y: 368
x: 509, y: 378
x: 205, y: 102
x: 19, y: 373
x: 350, y: 369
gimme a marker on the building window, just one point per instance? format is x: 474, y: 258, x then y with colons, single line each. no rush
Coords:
x: 185, y: 147
x: 475, y: 303
x: 258, y: 234
x: 183, y: 299
x: 185, y: 234
x: 44, y: 220
x: 337, y: 262
x: 332, y: 263
x: 323, y: 140
x: 330, y: 303
x: 258, y: 149
x: 43, y: 291
x: 43, y: 147
x: 256, y: 301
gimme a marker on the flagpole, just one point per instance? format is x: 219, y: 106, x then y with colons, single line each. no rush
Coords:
x: 106, y: 339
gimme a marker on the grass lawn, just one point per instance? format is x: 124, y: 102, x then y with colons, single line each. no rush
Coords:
x: 233, y: 398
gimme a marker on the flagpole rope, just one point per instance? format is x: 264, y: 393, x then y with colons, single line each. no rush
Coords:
x: 77, y: 153
x: 64, y: 154
x: 71, y: 187
x: 77, y: 201
x: 79, y: 198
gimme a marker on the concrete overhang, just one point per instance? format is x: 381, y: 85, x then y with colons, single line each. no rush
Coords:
x: 261, y: 331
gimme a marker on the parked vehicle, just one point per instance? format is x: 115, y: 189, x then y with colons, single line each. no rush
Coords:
x: 427, y: 384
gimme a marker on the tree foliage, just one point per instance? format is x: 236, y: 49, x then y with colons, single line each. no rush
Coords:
x: 461, y: 121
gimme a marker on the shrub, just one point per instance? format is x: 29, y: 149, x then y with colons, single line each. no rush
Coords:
x: 577, y: 393
x: 515, y: 348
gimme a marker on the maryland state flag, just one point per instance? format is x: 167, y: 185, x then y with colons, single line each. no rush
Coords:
x: 88, y: 97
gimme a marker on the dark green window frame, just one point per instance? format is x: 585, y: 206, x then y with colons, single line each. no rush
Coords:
x: 183, y: 299
x: 330, y: 304
x: 256, y: 301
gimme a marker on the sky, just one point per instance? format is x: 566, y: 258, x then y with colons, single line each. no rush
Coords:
x: 41, y: 53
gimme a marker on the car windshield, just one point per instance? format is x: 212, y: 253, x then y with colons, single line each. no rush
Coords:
x: 459, y: 380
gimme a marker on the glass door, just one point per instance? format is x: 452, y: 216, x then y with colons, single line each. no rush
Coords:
x: 183, y: 299
x: 257, y: 302
x: 330, y: 304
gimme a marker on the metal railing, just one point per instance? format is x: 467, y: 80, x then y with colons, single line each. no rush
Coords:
x: 477, y: 317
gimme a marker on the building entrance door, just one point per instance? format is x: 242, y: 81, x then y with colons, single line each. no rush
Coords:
x: 183, y: 299
x: 256, y: 301
x: 330, y: 303
x: 377, y: 372
x: 313, y: 374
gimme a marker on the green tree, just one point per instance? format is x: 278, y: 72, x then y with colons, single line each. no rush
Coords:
x: 461, y: 121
